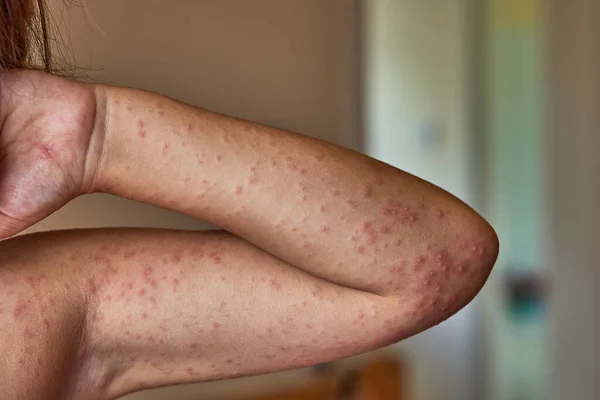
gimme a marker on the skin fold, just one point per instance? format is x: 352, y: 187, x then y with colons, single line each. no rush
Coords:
x: 324, y: 253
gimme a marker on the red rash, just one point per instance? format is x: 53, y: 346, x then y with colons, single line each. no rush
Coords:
x: 19, y: 309
x: 274, y: 284
x: 141, y: 132
x: 239, y: 190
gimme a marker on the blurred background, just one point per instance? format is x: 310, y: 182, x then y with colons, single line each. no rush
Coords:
x: 495, y: 101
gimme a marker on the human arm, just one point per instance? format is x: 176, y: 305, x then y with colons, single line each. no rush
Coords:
x: 363, y: 232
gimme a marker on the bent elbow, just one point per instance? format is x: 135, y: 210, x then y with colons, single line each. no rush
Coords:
x: 452, y: 276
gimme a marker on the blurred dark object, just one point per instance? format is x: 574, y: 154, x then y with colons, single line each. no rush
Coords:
x: 525, y: 294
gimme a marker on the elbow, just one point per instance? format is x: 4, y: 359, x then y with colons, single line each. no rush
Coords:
x: 453, y: 274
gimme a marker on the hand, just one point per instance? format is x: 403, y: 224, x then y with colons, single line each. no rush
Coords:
x: 46, y: 125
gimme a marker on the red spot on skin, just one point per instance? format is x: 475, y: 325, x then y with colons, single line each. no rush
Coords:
x: 47, y: 323
x: 462, y: 268
x: 219, y: 158
x: 193, y: 346
x: 19, y: 309
x: 190, y: 127
x: 223, y: 279
x: 360, y: 249
x: 33, y: 282
x: 303, y: 171
x: 164, y: 149
x: 92, y: 285
x: 336, y: 193
x: 274, y: 284
x: 129, y: 108
x: 320, y: 157
x: 351, y: 203
x: 368, y: 191
x: 129, y: 285
x: 273, y: 163
x: 151, y: 339
x: 439, y: 213
x: 129, y: 255
x: 215, y: 257
x: 385, y: 229
x: 239, y: 190
x: 142, y: 292
x: 306, y: 244
x: 324, y: 228
x: 175, y: 284
x: 144, y: 315
x: 142, y: 134
x: 138, y: 337
x: 216, y: 325
x: 419, y: 263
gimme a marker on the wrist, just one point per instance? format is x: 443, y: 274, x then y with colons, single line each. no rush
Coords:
x: 95, y: 157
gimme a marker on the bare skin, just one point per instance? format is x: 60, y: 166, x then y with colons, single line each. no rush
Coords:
x: 325, y: 252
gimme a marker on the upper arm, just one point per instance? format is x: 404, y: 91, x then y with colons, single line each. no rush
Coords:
x: 181, y: 307
x: 123, y: 310
x: 42, y: 320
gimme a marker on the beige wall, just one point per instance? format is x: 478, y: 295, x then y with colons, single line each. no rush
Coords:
x: 573, y: 158
x: 284, y: 63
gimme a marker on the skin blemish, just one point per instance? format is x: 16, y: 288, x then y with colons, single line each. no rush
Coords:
x: 368, y: 191
x: 303, y: 171
x: 360, y: 249
x: 439, y: 213
x: 219, y: 157
x: 193, y: 346
x: 385, y: 229
x: 92, y: 286
x: 336, y: 193
x: 142, y: 292
x: 324, y: 229
x: 128, y: 255
x: 20, y: 309
x: 165, y: 149
x: 129, y: 109
x: 216, y: 325
x: 351, y: 203
x: 239, y: 190
x: 144, y: 315
x: 190, y: 127
x: 419, y: 262
x: 33, y: 282
x: 275, y: 284
x: 47, y: 151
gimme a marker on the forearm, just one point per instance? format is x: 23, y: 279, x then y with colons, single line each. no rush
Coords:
x: 332, y: 212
